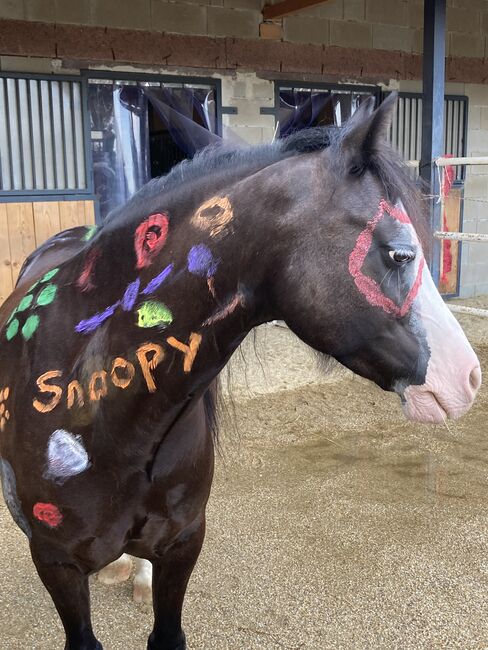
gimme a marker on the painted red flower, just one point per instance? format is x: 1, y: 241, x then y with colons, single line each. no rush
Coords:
x: 149, y: 238
x: 48, y: 513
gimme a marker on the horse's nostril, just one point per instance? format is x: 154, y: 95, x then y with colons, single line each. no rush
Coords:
x: 475, y: 378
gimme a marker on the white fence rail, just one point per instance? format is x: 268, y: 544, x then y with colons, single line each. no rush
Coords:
x: 460, y: 236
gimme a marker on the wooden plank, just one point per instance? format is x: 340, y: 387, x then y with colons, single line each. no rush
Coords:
x: 448, y: 282
x: 21, y: 232
x: 287, y: 7
x: 462, y: 236
x: 46, y: 220
x: 71, y: 214
x: 474, y: 311
x: 6, y: 283
x: 89, y: 213
x: 464, y: 160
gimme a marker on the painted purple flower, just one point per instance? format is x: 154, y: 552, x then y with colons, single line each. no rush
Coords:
x: 156, y: 282
x: 201, y: 261
x: 130, y: 295
x: 90, y: 324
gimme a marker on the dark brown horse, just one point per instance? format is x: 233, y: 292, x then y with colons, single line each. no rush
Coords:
x: 114, y: 336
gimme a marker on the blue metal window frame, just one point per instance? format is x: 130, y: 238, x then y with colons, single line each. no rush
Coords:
x: 79, y: 194
x: 87, y: 74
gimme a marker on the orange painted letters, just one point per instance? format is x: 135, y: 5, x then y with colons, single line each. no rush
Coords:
x: 56, y: 391
x: 149, y: 363
x: 126, y: 376
x: 190, y: 350
x: 75, y: 392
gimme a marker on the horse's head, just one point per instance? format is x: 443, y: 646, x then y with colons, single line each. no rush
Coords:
x: 358, y: 286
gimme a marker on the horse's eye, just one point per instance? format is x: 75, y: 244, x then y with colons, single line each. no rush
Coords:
x: 402, y: 255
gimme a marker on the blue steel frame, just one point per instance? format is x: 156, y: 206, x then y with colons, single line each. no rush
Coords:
x: 433, y: 114
x: 163, y: 78
x: 88, y: 193
x: 79, y: 194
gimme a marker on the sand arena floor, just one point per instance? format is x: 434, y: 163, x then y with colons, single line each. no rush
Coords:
x: 333, y: 523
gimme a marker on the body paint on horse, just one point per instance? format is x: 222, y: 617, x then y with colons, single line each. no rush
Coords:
x: 131, y: 294
x: 48, y: 514
x: 149, y: 238
x: 66, y: 456
x: 237, y: 301
x: 46, y: 293
x: 85, y: 282
x: 4, y: 412
x: 214, y: 216
x: 120, y: 374
x: 366, y: 285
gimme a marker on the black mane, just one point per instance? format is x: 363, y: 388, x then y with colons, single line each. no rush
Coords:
x: 221, y: 163
x: 228, y: 160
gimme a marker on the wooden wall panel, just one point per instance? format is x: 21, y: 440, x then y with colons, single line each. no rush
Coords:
x: 46, y: 220
x: 448, y: 283
x: 6, y: 283
x: 72, y: 213
x: 25, y: 226
x: 21, y: 234
x: 89, y: 213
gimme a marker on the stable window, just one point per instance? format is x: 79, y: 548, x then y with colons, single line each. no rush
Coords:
x: 42, y: 136
x: 305, y: 105
x: 141, y: 126
x: 406, y: 130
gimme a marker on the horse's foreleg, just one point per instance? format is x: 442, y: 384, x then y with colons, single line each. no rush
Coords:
x: 142, y: 581
x: 171, y: 573
x: 117, y: 571
x: 70, y: 592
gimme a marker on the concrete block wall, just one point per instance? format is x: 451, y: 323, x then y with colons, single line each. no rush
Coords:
x: 248, y: 93
x: 474, y: 269
x: 379, y: 24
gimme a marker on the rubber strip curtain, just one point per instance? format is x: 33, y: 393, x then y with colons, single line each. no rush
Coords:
x: 120, y: 133
x: 300, y: 109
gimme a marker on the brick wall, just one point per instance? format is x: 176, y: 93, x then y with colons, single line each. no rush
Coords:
x: 379, y: 24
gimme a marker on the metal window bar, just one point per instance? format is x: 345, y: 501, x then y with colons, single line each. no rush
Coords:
x: 42, y: 135
x: 405, y: 133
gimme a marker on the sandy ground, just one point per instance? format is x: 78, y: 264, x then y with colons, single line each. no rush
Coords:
x: 333, y: 523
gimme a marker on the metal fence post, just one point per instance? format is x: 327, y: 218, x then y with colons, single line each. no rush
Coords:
x: 433, y: 115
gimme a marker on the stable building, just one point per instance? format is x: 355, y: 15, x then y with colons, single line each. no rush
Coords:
x: 99, y: 96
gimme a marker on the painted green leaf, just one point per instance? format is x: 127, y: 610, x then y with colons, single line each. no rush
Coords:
x: 30, y: 326
x: 90, y: 232
x: 25, y: 302
x: 152, y: 314
x: 50, y: 274
x: 46, y: 295
x: 12, y: 329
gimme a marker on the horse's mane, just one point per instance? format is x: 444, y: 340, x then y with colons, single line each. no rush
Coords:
x: 223, y: 162
x: 219, y: 164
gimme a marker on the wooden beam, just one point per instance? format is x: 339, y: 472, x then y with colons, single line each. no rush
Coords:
x: 287, y: 7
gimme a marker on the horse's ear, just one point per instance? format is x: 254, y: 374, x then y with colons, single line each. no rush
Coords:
x: 366, y: 131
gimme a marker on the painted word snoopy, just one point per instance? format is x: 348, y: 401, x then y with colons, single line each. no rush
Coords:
x: 120, y: 374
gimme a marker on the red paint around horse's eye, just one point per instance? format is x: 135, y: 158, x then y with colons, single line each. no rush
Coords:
x: 369, y: 287
x: 48, y: 513
x: 149, y: 238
